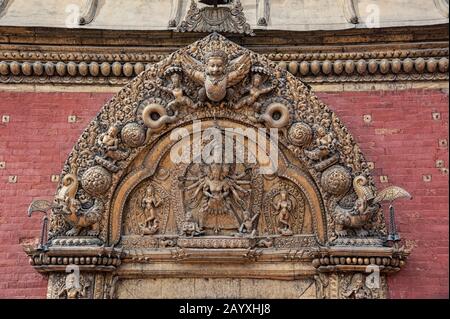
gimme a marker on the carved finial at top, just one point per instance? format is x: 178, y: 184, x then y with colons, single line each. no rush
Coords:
x: 229, y: 19
x: 215, y: 2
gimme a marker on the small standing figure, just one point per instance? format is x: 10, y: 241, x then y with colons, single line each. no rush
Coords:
x: 190, y: 226
x: 255, y: 90
x: 176, y: 89
x: 357, y: 288
x: 72, y: 288
x: 325, y: 143
x: 247, y: 224
x: 283, y: 208
x: 150, y: 203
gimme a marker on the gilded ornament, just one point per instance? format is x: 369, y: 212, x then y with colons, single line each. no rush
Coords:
x: 96, y: 180
x: 300, y: 134
x: 336, y: 180
x: 133, y: 134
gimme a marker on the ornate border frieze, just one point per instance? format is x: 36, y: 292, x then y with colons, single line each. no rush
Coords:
x: 40, y: 67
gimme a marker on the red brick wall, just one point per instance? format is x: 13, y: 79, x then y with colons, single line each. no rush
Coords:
x: 402, y: 140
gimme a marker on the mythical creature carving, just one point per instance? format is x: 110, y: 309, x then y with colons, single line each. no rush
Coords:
x: 216, y: 75
x: 79, y: 216
x: 155, y: 117
x: 276, y: 115
x: 365, y: 206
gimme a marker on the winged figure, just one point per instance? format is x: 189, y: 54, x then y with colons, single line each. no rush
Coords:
x: 216, y: 75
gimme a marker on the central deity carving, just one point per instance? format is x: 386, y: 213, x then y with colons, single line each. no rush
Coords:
x: 218, y: 193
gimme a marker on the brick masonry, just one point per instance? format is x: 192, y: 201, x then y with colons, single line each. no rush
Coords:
x: 401, y: 136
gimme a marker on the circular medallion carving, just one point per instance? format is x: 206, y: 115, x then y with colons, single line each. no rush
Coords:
x: 96, y: 180
x: 300, y: 134
x: 133, y: 135
x: 336, y: 180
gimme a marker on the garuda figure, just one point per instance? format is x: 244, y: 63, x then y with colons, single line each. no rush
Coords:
x: 216, y: 76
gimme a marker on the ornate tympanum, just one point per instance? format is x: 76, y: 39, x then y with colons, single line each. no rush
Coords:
x: 217, y: 164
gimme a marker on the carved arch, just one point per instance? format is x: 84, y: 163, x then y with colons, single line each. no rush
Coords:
x: 148, y: 163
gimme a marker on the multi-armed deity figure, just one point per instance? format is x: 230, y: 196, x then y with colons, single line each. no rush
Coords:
x: 220, y: 192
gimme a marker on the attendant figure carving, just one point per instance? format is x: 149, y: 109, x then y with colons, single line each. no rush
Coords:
x: 324, y: 141
x: 150, y: 203
x: 247, y: 224
x: 190, y: 227
x: 176, y: 89
x: 255, y: 91
x: 283, y: 208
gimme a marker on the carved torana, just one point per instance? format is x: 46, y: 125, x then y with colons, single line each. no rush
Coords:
x: 215, y: 157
